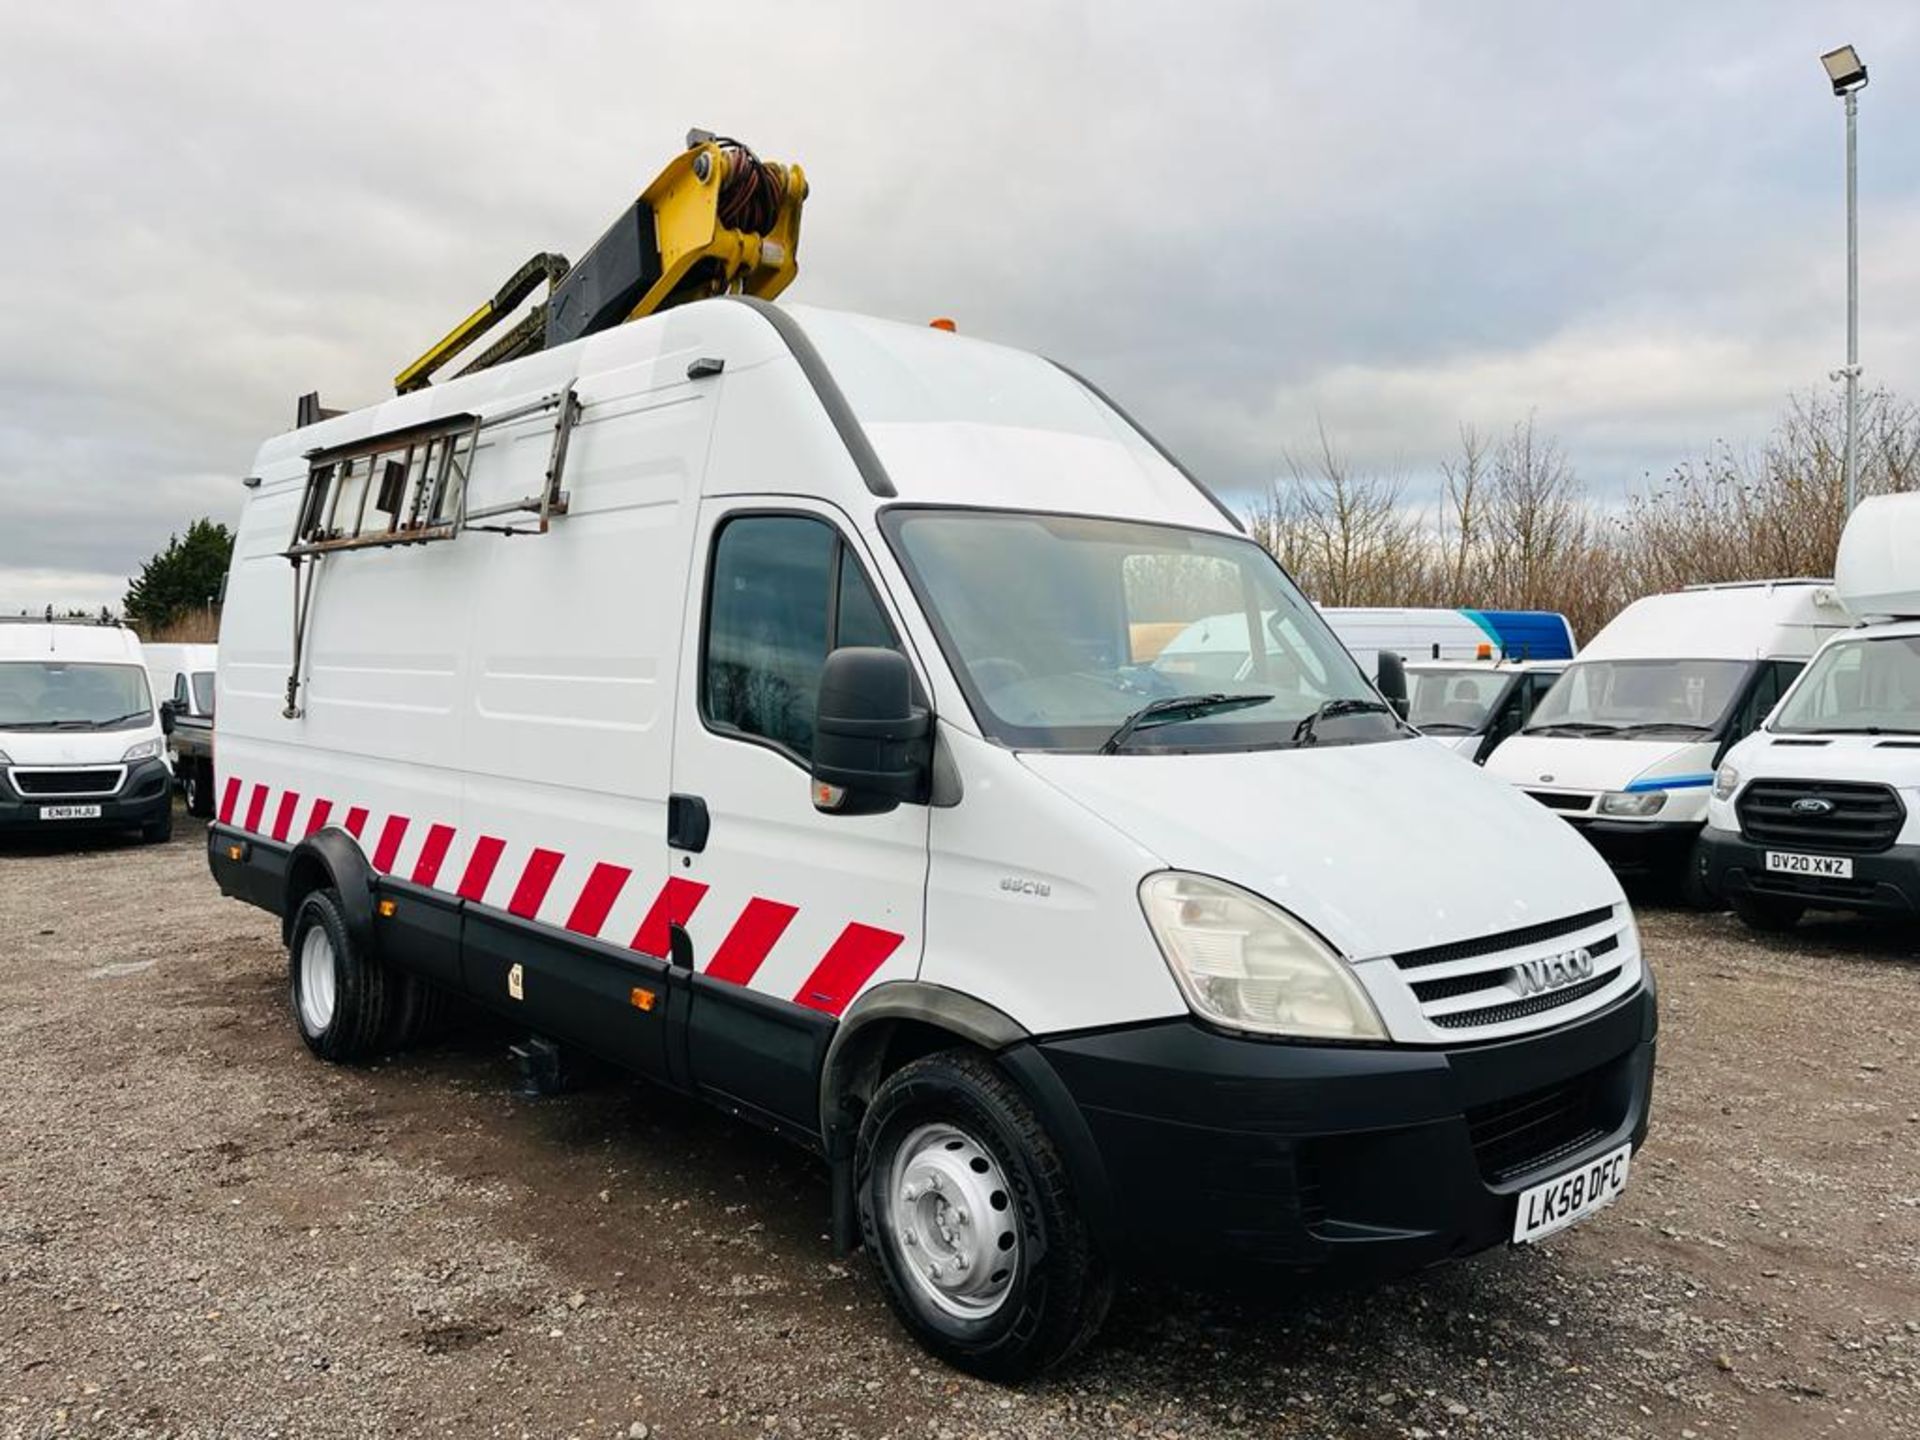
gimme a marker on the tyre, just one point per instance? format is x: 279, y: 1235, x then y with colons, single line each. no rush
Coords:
x: 1768, y: 914
x: 198, y: 784
x: 967, y: 1214
x: 1694, y: 891
x: 158, y: 832
x: 340, y: 994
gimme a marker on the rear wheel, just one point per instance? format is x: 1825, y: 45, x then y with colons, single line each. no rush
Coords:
x: 340, y: 994
x: 198, y: 784
x: 1768, y: 914
x: 1695, y: 891
x: 966, y: 1211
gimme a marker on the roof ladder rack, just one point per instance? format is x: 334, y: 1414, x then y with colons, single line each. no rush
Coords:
x: 415, y: 482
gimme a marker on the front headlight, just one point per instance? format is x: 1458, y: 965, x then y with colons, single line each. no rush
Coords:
x: 1726, y: 780
x: 1632, y: 802
x: 145, y: 750
x: 1245, y: 963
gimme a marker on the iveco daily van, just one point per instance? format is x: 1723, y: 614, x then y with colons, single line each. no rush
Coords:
x: 1821, y: 807
x: 80, y: 742
x: 754, y: 697
x: 1625, y: 744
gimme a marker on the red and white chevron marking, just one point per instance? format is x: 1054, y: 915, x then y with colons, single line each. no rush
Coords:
x: 849, y: 962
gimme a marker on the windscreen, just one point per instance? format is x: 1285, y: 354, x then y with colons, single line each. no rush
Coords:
x: 1453, y: 701
x: 1641, y: 697
x: 58, y: 695
x: 1869, y: 686
x: 1060, y: 628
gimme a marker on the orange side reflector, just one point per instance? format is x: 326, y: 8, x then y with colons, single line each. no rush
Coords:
x: 387, y: 907
x: 642, y: 999
x: 235, y: 852
x: 943, y: 323
x: 1485, y: 652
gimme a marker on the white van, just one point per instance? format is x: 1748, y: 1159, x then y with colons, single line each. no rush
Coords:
x: 1625, y: 744
x: 794, y: 750
x: 1471, y: 706
x: 80, y: 741
x: 1821, y: 807
x: 1426, y: 633
x: 183, y: 676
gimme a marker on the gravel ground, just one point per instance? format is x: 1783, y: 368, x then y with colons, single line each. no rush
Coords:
x: 205, y: 1232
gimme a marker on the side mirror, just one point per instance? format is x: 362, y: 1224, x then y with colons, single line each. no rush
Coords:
x: 872, y: 746
x: 1392, y: 682
x: 169, y: 712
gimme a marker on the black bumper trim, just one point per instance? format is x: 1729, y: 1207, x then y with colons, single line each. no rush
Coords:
x: 1886, y: 883
x: 144, y: 797
x: 1223, y: 1156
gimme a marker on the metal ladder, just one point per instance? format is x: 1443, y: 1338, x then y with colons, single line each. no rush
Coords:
x: 415, y: 482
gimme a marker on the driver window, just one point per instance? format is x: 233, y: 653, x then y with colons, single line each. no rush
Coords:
x: 783, y: 591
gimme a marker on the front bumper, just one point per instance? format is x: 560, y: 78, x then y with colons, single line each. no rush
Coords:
x: 1886, y: 883
x: 1224, y: 1157
x: 144, y: 797
x: 1639, y: 847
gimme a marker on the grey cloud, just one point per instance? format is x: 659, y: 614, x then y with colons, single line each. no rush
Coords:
x: 1241, y: 218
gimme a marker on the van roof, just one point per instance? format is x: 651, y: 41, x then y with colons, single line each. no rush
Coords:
x: 1783, y: 618
x: 944, y: 418
x: 67, y: 640
x: 1878, y: 570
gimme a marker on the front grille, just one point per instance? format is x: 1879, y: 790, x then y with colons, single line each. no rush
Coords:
x: 1521, y: 1009
x: 1531, y: 1131
x: 1863, y: 818
x: 1490, y: 980
x: 65, y: 782
x: 1555, y: 800
x: 1505, y: 940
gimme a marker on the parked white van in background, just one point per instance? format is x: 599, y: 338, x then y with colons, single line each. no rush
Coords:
x: 1625, y: 744
x: 183, y: 674
x: 80, y: 740
x: 801, y: 749
x: 1821, y: 808
x: 1471, y: 706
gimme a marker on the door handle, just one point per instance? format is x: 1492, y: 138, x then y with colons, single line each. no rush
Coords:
x: 687, y: 822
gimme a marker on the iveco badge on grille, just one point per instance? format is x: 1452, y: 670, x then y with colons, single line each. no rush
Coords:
x: 1553, y: 972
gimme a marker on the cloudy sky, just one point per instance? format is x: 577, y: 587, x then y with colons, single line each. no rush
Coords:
x: 1244, y: 220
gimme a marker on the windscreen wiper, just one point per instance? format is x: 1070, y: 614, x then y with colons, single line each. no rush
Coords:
x: 1441, y: 727
x: 1172, y: 709
x: 1640, y: 725
x: 1858, y: 730
x: 1571, y: 727
x: 1303, y: 733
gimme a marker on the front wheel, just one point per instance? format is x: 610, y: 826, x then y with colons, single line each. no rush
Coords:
x: 1768, y: 914
x: 967, y: 1213
x: 158, y: 832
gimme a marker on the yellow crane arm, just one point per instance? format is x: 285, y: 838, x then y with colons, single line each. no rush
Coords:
x: 717, y: 220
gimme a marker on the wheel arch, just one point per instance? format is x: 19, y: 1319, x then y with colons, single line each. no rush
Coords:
x: 330, y: 858
x: 898, y: 1022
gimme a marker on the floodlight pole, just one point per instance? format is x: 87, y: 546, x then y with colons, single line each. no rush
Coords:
x: 1848, y: 463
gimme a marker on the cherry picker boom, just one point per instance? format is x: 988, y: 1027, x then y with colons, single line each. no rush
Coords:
x: 717, y: 220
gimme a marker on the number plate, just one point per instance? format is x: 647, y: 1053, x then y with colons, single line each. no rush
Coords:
x: 1838, y: 866
x: 1560, y: 1202
x: 69, y: 812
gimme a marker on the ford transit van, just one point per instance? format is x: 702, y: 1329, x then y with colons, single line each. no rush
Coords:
x: 1820, y: 808
x: 767, y: 701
